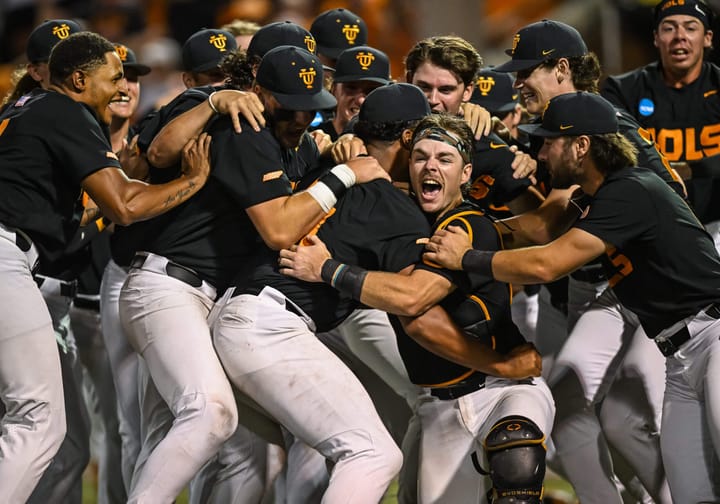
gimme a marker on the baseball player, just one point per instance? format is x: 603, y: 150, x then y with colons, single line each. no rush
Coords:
x: 674, y: 99
x: 191, y: 256
x: 357, y: 72
x: 445, y: 67
x: 439, y: 166
x: 635, y: 223
x: 586, y: 363
x: 50, y: 160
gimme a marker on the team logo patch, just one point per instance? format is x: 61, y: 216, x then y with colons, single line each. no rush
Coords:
x: 122, y: 52
x: 308, y: 76
x: 485, y: 85
x: 272, y: 175
x: 516, y: 41
x: 365, y: 59
x: 646, y: 107
x: 309, y: 43
x: 219, y: 42
x: 351, y: 32
x: 62, y: 31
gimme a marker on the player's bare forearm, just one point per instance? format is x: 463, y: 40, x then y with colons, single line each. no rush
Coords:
x: 435, y: 331
x: 542, y: 225
x: 167, y: 146
x: 404, y: 294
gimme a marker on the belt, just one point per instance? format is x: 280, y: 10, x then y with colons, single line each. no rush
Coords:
x: 164, y: 266
x: 671, y: 344
x: 24, y: 243
x: 87, y: 302
x: 50, y: 286
x: 590, y: 275
x: 467, y: 386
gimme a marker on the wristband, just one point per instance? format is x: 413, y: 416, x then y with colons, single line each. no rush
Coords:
x: 478, y: 261
x: 345, y: 174
x: 210, y: 102
x: 345, y: 278
x: 323, y: 195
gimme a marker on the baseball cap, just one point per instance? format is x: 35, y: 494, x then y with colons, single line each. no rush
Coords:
x: 129, y: 61
x: 494, y: 91
x: 542, y: 41
x: 294, y: 76
x: 363, y: 63
x: 44, y: 37
x: 277, y: 34
x: 693, y: 8
x: 205, y: 49
x: 574, y: 114
x: 394, y: 102
x: 336, y: 30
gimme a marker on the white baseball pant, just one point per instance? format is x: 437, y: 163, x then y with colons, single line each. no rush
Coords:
x: 272, y: 355
x: 165, y: 320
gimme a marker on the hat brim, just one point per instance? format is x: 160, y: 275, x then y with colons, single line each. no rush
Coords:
x: 538, y: 130
x: 319, y: 101
x: 138, y: 68
x: 354, y: 78
x: 516, y: 65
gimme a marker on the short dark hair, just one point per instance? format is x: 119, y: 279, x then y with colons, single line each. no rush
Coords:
x: 237, y: 70
x: 612, y: 152
x: 585, y: 71
x: 83, y: 51
x: 448, y: 51
x: 388, y: 131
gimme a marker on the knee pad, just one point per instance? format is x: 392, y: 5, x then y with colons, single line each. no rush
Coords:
x: 516, y: 454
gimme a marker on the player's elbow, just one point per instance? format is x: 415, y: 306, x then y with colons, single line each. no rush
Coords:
x: 412, y: 304
x: 159, y: 157
x: 278, y: 240
x: 544, y: 273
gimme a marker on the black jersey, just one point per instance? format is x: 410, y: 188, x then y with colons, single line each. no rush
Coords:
x: 479, y: 306
x: 492, y: 182
x: 49, y: 143
x: 125, y: 241
x: 211, y: 232
x: 663, y: 265
x: 373, y: 225
x: 684, y: 122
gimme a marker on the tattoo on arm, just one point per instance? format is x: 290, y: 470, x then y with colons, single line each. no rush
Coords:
x: 181, y: 194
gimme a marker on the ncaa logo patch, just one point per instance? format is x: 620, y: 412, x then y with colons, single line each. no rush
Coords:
x: 646, y: 107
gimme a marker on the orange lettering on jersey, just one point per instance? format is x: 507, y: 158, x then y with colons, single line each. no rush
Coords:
x: 622, y: 264
x: 481, y: 187
x: 710, y: 139
x: 691, y: 152
x: 670, y: 142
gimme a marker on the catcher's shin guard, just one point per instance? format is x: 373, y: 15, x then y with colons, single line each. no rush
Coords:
x: 516, y: 454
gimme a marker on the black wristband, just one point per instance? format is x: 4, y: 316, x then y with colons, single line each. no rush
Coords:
x: 333, y: 183
x: 478, y: 261
x: 345, y: 278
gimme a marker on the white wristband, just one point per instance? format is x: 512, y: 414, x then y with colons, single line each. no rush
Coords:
x: 345, y: 174
x: 323, y: 195
x: 210, y: 102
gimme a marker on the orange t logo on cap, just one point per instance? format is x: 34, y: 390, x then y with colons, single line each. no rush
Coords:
x: 308, y: 77
x: 365, y: 59
x: 62, y: 31
x: 485, y: 85
x: 219, y: 41
x: 351, y: 32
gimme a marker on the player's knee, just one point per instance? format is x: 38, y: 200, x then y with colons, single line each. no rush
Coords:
x: 516, y: 455
x: 223, y: 417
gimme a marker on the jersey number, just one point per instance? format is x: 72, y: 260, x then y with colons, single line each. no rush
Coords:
x: 622, y: 264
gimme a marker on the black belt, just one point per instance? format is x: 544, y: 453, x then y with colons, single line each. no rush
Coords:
x: 67, y: 288
x: 672, y: 344
x: 467, y: 386
x: 22, y: 242
x: 173, y: 270
x: 87, y: 303
x: 590, y: 275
